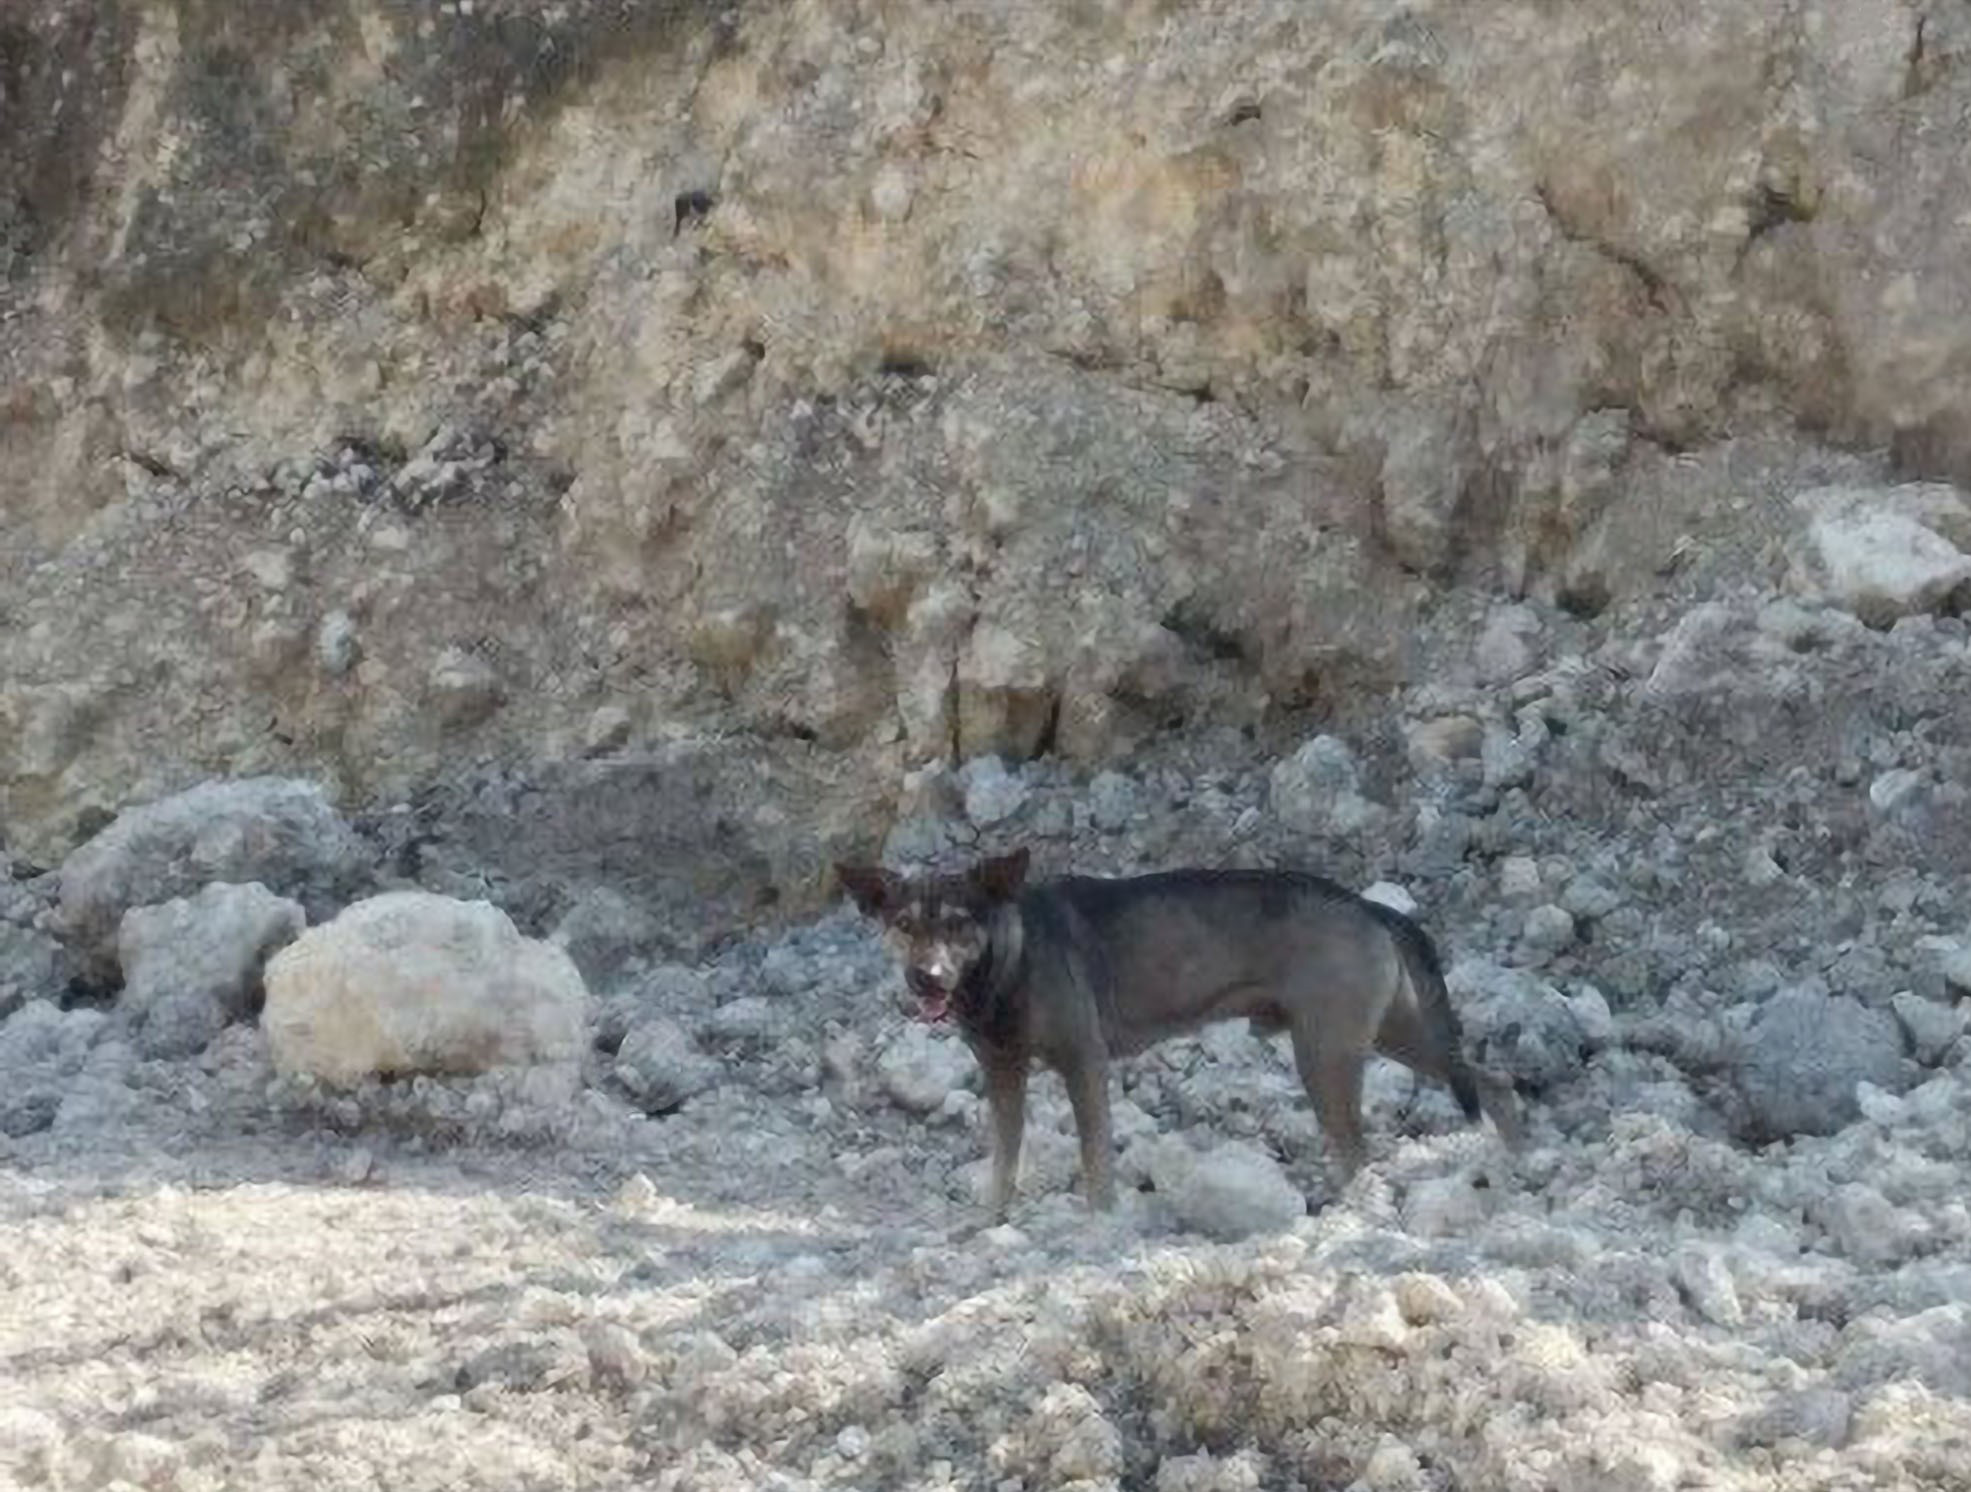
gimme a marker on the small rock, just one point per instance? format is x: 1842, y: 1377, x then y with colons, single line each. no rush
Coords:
x: 1705, y: 1281
x: 1054, y: 819
x: 541, y: 1361
x: 272, y: 568
x: 920, y: 1070
x: 193, y: 964
x: 604, y: 932
x: 1519, y: 878
x: 788, y: 971
x: 1803, y: 1054
x: 1502, y: 653
x: 1878, y: 563
x: 411, y: 982
x: 1445, y: 1207
x: 33, y: 966
x: 1762, y: 1233
x: 1865, y: 1225
x: 42, y: 1050
x: 1521, y: 1025
x: 1442, y: 840
x: 992, y: 794
x: 637, y: 1196
x: 616, y: 1356
x: 356, y: 1167
x: 1448, y: 739
x: 1369, y: 1317
x: 673, y: 989
x: 852, y: 1442
x: 716, y: 379
x: 1242, y: 1471
x: 1813, y: 1416
x: 1931, y: 1347
x: 751, y: 1020
x: 1760, y: 869
x: 1506, y: 758
x: 1932, y: 1103
x: 607, y: 731
x: 1389, y: 894
x: 465, y: 689
x: 1885, y: 1109
x: 30, y: 1443
x: 1112, y: 801
x: 1426, y: 1298
x: 1547, y: 930
x: 1955, y: 966
x: 1931, y: 1026
x: 1590, y: 898
x: 661, y: 1065
x: 1591, y: 1012
x: 336, y: 648
x: 1071, y: 1440
x: 917, y: 839
x: 1317, y: 790
x: 1233, y: 1191
x: 1427, y: 466
x: 1393, y: 1467
x: 891, y: 193
x: 841, y: 1058
x: 1895, y: 791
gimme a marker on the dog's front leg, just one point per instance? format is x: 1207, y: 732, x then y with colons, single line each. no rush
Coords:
x: 1006, y: 1096
x: 1088, y: 1095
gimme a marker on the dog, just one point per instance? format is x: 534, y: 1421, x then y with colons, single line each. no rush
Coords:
x: 1079, y: 971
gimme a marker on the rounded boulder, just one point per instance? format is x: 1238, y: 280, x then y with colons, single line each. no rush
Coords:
x: 413, y: 982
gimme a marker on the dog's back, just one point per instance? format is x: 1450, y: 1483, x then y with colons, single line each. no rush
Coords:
x: 1176, y: 949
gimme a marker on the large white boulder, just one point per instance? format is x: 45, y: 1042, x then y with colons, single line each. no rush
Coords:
x: 411, y: 982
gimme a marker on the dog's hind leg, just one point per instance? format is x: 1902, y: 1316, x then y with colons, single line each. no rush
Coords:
x: 1088, y: 1094
x: 1006, y: 1097
x: 1332, y: 1075
x: 1404, y: 1038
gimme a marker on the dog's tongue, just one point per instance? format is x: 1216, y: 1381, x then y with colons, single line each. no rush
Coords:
x: 933, y: 1001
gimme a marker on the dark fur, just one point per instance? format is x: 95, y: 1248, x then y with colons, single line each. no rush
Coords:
x: 1078, y: 971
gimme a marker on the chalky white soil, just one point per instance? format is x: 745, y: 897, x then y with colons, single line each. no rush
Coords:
x: 205, y: 1287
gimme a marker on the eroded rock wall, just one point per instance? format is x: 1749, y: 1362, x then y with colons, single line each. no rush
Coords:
x: 391, y: 391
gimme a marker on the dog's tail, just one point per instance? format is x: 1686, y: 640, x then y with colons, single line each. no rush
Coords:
x: 1426, y: 975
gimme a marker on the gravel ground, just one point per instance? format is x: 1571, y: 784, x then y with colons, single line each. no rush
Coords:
x: 1690, y: 907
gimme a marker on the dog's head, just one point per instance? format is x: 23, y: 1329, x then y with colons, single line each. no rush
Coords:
x: 939, y: 926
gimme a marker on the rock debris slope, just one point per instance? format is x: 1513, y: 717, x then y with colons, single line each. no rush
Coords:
x: 797, y: 392
x: 740, y: 1248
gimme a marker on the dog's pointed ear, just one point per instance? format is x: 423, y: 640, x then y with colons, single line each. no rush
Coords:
x: 872, y: 888
x: 1002, y: 876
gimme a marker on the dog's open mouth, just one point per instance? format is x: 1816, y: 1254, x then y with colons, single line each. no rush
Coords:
x: 933, y: 999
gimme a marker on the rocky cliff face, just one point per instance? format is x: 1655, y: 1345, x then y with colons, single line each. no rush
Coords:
x: 756, y: 403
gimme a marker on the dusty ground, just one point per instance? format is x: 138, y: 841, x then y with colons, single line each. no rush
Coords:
x: 644, y: 437
x: 215, y: 1277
